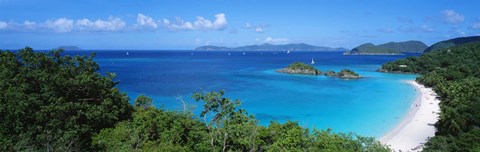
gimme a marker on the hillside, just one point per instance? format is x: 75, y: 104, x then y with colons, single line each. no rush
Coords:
x: 371, y: 49
x: 406, y: 47
x: 271, y: 47
x: 453, y: 73
x: 452, y: 42
x: 391, y: 48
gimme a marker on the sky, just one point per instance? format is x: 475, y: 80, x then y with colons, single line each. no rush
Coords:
x: 184, y: 24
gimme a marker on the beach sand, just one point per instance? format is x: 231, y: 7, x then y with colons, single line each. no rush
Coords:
x: 417, y: 126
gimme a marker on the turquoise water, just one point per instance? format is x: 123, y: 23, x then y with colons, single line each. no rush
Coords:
x: 370, y: 106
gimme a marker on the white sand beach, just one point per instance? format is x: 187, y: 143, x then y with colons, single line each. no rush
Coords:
x: 417, y: 126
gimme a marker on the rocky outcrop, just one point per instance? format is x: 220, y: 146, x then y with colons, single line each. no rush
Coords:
x: 299, y: 71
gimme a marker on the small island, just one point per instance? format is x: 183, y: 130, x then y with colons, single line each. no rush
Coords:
x: 302, y: 68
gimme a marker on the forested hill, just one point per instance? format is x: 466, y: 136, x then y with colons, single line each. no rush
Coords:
x: 454, y: 74
x: 389, y: 48
x: 406, y: 47
x: 452, y: 42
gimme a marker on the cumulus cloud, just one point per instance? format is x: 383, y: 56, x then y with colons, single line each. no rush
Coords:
x: 276, y: 40
x: 112, y: 24
x: 146, y: 22
x: 63, y: 25
x: 257, y: 28
x: 60, y: 25
x: 200, y: 24
x: 452, y: 17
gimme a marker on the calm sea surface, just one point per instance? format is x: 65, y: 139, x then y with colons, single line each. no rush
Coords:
x: 369, y: 106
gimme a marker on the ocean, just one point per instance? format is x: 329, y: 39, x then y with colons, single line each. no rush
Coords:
x: 369, y: 106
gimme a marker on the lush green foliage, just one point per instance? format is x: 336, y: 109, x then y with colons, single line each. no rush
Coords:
x: 226, y: 127
x: 53, y: 102
x: 347, y: 72
x: 154, y: 129
x: 454, y: 73
x: 301, y: 66
x: 451, y: 43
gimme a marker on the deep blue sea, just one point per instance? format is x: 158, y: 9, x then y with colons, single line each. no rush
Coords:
x: 370, y: 106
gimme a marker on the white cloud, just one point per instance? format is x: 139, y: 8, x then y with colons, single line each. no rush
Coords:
x: 452, y: 17
x: 220, y: 22
x: 180, y: 25
x: 147, y: 22
x: 63, y: 25
x: 3, y: 25
x: 276, y: 40
x: 60, y: 25
x: 257, y: 28
x: 201, y: 24
x: 112, y: 24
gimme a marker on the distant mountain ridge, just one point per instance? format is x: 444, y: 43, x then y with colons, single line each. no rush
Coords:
x: 452, y: 42
x: 390, y: 48
x: 68, y: 47
x: 271, y: 47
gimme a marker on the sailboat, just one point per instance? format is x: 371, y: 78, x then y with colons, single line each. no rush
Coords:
x: 313, y: 62
x: 127, y: 53
x: 288, y: 51
x: 243, y: 53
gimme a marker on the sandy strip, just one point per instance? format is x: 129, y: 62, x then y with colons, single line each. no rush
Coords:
x: 417, y: 126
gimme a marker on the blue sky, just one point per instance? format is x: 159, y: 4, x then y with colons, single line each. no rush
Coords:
x: 182, y: 24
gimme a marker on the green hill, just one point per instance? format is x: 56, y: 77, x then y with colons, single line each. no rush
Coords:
x: 452, y: 42
x: 371, y: 49
x: 406, y: 47
x: 391, y: 48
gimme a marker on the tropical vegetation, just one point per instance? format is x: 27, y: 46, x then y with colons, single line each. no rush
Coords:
x: 454, y: 74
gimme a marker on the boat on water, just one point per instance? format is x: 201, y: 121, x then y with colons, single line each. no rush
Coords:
x: 313, y: 61
x: 288, y: 51
x: 243, y: 53
x: 228, y: 53
x: 127, y: 53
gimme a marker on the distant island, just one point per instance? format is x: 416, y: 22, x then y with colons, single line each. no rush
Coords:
x: 391, y: 48
x: 271, y: 47
x: 69, y: 47
x: 302, y: 68
x: 451, y: 43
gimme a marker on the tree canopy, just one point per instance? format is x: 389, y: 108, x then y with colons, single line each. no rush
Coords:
x: 54, y: 102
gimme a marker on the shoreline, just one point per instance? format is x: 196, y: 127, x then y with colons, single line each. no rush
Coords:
x: 417, y: 126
